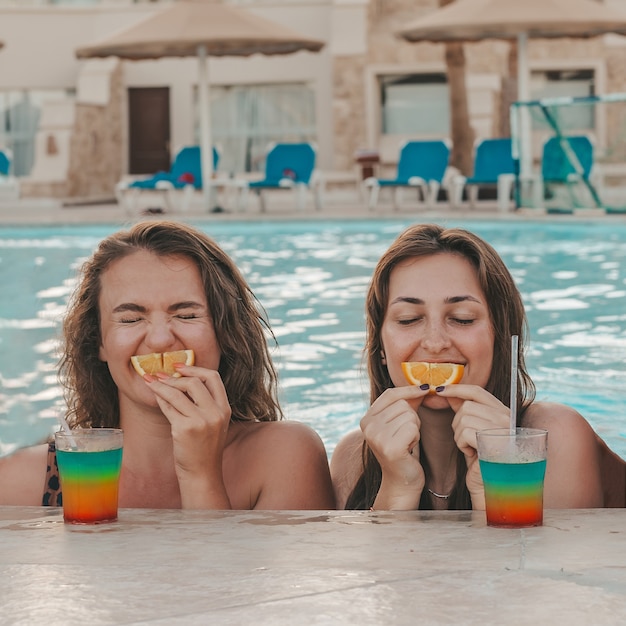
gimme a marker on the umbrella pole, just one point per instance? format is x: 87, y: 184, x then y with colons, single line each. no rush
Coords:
x: 523, y: 95
x: 206, y: 145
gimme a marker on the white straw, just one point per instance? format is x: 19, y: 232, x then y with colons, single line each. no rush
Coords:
x: 66, y: 427
x: 514, y: 345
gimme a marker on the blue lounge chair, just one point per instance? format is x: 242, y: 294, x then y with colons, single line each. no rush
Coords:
x: 493, y: 167
x: 5, y: 163
x: 185, y: 174
x: 9, y: 184
x: 422, y: 165
x: 559, y: 167
x: 567, y: 161
x: 287, y: 166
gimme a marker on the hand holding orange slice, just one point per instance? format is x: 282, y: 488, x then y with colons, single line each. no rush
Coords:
x: 162, y: 362
x: 433, y: 374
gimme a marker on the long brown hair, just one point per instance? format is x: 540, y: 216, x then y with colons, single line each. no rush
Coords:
x: 507, y: 316
x: 240, y: 326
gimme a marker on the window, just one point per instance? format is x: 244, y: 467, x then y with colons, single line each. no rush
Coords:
x: 246, y: 118
x: 565, y: 83
x: 20, y: 112
x: 415, y: 104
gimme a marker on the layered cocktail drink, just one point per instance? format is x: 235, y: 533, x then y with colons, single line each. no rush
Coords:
x: 513, y: 466
x: 89, y: 461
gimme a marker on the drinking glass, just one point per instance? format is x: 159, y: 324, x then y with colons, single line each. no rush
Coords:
x: 513, y: 467
x: 90, y: 460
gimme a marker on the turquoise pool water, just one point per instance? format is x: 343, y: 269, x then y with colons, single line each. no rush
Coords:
x: 311, y: 277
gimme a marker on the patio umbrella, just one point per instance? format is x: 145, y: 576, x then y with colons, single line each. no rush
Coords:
x: 201, y: 28
x: 473, y: 20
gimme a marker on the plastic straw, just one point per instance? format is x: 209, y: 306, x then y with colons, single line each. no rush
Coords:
x: 66, y: 427
x: 514, y: 347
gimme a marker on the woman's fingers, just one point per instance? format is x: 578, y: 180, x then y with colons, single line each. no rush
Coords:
x: 411, y: 394
x: 203, y: 390
x: 391, y: 428
x: 199, y: 413
x: 475, y: 409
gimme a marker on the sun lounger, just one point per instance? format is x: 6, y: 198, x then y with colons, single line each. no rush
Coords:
x: 9, y: 184
x: 288, y: 166
x: 421, y: 165
x: 566, y: 162
x: 179, y: 183
x: 493, y: 167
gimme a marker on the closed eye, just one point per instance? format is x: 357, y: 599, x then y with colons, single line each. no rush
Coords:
x: 408, y: 321
x: 129, y: 320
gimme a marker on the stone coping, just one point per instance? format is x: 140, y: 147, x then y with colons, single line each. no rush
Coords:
x: 157, y: 567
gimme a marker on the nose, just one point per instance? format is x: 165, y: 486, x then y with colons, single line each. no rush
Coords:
x: 435, y: 337
x: 159, y: 335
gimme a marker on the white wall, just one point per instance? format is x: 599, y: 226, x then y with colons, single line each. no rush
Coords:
x: 40, y: 42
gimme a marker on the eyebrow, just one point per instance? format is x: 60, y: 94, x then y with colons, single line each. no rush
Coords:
x: 137, y: 308
x: 450, y: 300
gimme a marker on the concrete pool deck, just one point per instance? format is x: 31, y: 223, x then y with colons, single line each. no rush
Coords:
x: 337, y: 205
x: 311, y: 567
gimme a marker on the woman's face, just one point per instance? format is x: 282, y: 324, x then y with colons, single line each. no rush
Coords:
x: 150, y: 304
x: 437, y: 312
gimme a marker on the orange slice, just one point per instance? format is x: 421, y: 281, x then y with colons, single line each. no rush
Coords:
x: 179, y: 356
x: 162, y: 362
x: 433, y: 374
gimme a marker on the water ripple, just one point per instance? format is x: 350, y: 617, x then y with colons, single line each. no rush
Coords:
x: 311, y: 278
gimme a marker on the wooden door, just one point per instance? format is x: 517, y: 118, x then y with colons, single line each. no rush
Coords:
x: 149, y: 129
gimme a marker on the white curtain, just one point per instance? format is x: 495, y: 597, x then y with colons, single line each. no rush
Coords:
x: 20, y: 113
x: 19, y: 118
x: 246, y: 118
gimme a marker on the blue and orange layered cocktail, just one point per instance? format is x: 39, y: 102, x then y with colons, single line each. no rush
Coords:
x: 513, y: 466
x: 89, y: 461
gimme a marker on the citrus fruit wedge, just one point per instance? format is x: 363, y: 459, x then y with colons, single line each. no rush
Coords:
x: 161, y: 362
x: 433, y: 374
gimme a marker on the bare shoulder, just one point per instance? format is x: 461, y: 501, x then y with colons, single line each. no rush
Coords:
x: 23, y: 476
x: 282, y: 434
x: 573, y: 476
x: 287, y: 465
x: 558, y: 419
x: 346, y: 465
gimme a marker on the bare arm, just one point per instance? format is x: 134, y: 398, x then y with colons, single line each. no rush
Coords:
x: 346, y: 466
x: 23, y: 476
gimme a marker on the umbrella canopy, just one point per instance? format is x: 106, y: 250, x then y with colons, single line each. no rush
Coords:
x: 200, y: 28
x: 473, y: 20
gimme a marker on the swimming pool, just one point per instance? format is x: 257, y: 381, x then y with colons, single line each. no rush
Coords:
x: 311, y: 278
